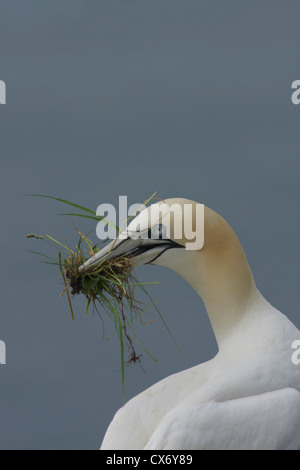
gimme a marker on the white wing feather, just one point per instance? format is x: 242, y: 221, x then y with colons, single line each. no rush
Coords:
x: 267, y: 421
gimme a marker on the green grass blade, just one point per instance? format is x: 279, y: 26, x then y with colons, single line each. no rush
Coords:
x: 141, y: 346
x: 122, y: 355
x: 98, y: 218
x: 138, y: 284
x: 85, y: 209
x: 161, y: 317
x: 102, y: 321
x: 42, y: 254
x: 61, y: 244
x: 88, y: 301
x: 66, y: 286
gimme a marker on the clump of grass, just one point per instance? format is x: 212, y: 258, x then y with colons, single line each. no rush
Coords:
x: 108, y: 287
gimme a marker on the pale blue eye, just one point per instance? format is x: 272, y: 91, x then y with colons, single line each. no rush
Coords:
x: 158, y: 231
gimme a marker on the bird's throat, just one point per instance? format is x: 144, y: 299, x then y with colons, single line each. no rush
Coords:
x: 220, y: 274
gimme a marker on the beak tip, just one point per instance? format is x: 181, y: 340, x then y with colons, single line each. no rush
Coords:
x: 91, y: 261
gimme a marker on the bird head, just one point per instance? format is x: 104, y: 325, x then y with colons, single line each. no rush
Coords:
x: 171, y: 233
x: 157, y: 234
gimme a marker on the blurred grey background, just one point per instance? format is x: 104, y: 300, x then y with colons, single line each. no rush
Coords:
x: 126, y: 97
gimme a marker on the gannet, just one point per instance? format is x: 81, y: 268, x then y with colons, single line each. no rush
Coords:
x: 248, y: 395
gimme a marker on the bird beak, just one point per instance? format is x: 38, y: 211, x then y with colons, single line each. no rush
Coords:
x: 142, y: 251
